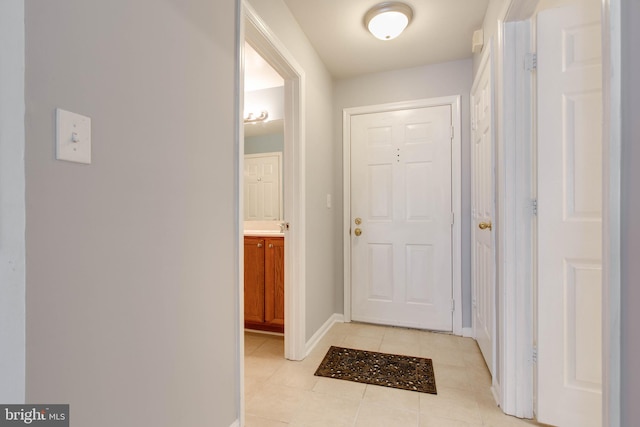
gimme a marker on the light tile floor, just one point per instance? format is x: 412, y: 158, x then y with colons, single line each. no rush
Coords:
x: 280, y: 393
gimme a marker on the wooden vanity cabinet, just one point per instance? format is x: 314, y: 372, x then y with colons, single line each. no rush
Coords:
x: 264, y: 283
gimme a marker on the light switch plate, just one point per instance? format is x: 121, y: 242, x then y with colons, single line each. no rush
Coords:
x: 73, y: 137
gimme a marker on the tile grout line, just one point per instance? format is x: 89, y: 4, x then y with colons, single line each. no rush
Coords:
x: 355, y: 420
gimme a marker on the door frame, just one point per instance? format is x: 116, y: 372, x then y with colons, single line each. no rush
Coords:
x: 265, y: 43
x: 515, y: 186
x: 514, y: 382
x: 456, y: 193
x: 612, y: 213
x: 516, y: 214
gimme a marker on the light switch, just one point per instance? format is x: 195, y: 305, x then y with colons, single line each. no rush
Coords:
x: 73, y: 137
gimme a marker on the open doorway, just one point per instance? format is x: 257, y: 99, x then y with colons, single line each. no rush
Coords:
x: 266, y: 45
x: 263, y: 213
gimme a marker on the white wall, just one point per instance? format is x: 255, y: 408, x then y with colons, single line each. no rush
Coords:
x: 548, y: 4
x: 131, y: 261
x: 495, y: 11
x: 431, y: 81
x: 630, y: 208
x: 270, y: 99
x: 12, y: 203
x: 321, y: 268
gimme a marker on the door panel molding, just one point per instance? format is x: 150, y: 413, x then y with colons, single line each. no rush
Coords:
x: 456, y: 192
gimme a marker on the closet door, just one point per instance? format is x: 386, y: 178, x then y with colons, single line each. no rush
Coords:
x: 263, y: 187
x: 570, y: 215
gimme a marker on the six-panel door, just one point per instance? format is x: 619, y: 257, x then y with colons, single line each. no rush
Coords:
x: 401, y: 249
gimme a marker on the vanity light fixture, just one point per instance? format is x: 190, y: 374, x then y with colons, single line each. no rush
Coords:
x: 388, y: 20
x: 256, y: 118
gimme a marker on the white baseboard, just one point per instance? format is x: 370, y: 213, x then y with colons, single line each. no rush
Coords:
x: 313, y: 341
x: 467, y: 332
x: 236, y: 423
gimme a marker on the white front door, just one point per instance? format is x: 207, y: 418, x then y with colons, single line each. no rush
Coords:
x: 570, y: 215
x: 401, y: 248
x: 263, y: 187
x: 482, y: 210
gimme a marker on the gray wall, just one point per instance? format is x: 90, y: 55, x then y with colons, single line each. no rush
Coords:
x: 270, y: 143
x: 630, y: 208
x: 132, y: 260
x: 319, y: 165
x: 431, y: 81
x: 12, y: 203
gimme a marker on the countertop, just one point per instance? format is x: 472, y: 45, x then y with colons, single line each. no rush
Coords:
x: 263, y: 228
x: 263, y: 233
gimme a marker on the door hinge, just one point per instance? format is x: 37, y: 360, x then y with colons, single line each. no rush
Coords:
x: 534, y: 207
x: 534, y: 354
x: 453, y: 305
x: 453, y: 218
x: 451, y: 132
x: 531, y: 61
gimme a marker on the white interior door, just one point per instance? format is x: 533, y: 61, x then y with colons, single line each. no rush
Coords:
x: 262, y: 187
x: 482, y: 210
x: 569, y: 215
x: 401, y: 263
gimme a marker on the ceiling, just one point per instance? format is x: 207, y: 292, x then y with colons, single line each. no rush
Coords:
x: 440, y: 31
x: 258, y: 74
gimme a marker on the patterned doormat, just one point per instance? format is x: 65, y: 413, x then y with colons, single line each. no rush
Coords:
x: 369, y: 367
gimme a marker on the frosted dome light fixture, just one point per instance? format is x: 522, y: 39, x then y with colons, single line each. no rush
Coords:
x: 388, y: 20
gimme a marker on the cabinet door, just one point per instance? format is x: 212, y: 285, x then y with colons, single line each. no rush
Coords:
x: 274, y: 282
x: 254, y: 252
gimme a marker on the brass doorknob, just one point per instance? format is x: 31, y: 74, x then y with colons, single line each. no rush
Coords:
x: 485, y: 225
x: 358, y: 221
x: 357, y: 231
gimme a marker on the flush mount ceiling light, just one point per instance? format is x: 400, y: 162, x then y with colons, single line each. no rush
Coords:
x: 388, y: 20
